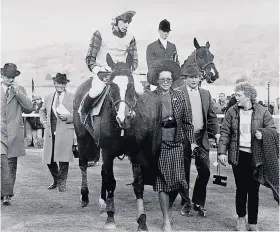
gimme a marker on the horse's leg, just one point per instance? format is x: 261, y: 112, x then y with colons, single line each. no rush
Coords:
x: 82, y: 148
x: 84, y: 188
x: 138, y: 187
x: 110, y: 185
x: 102, y: 199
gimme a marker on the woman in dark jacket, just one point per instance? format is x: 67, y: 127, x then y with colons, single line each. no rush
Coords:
x: 175, y: 125
x: 240, y: 135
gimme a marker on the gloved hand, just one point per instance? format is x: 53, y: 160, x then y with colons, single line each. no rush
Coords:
x: 97, y: 69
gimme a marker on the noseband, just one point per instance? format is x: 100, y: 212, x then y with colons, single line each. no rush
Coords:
x: 131, y: 107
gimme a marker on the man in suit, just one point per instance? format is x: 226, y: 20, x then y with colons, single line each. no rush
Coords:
x: 56, y: 115
x: 12, y: 130
x: 205, y: 123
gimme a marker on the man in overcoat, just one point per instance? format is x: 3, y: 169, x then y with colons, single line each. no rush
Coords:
x: 12, y: 132
x: 205, y: 124
x: 56, y: 115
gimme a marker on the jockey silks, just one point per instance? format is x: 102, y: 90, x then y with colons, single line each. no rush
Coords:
x: 115, y: 46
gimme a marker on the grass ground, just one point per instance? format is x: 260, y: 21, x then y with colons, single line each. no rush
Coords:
x: 35, y: 208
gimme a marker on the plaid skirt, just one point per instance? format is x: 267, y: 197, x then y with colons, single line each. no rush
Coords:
x: 171, y: 167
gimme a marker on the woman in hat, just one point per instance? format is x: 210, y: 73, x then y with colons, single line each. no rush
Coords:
x: 175, y: 124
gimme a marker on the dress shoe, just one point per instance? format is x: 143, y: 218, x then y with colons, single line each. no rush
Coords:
x: 52, y: 186
x: 241, y: 224
x: 253, y: 227
x: 6, y: 200
x: 201, y: 210
x: 93, y: 163
x: 61, y: 189
x: 186, y: 210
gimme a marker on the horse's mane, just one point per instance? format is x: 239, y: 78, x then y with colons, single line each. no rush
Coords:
x: 189, y: 60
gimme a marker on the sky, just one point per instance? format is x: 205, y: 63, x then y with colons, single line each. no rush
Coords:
x: 34, y: 23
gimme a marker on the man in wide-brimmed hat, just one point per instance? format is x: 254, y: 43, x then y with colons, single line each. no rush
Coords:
x: 14, y: 102
x: 162, y: 49
x: 56, y: 115
x: 171, y: 129
x: 205, y: 123
x: 117, y: 41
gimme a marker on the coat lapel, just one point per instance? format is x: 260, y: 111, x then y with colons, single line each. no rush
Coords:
x: 50, y: 104
x: 189, y: 106
x: 11, y: 95
x: 176, y: 107
x: 204, y: 102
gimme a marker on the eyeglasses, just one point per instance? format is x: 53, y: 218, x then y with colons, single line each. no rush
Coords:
x: 168, y: 80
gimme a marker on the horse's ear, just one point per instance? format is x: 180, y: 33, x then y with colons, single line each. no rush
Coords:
x: 195, y: 43
x: 110, y: 61
x: 129, y: 60
x: 207, y: 45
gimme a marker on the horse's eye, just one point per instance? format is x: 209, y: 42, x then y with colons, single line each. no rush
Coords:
x: 200, y: 57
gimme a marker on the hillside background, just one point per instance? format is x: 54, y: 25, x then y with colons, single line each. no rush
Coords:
x: 43, y: 40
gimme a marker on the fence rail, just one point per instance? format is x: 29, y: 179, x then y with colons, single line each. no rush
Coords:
x: 37, y: 115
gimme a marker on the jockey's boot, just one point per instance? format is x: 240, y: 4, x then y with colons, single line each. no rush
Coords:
x: 86, y: 105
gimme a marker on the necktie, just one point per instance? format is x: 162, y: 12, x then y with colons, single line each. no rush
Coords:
x: 57, y: 100
x: 7, y: 92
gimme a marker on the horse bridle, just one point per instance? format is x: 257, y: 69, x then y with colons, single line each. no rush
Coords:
x: 131, y: 107
x: 201, y: 69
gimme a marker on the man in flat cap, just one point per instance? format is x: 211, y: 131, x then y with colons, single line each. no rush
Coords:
x: 162, y: 49
x: 14, y: 102
x: 205, y: 124
x: 56, y: 115
x: 116, y: 41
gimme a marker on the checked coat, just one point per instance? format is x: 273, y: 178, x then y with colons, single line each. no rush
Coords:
x: 171, y: 154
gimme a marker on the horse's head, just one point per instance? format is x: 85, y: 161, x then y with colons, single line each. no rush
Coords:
x: 204, y: 59
x: 122, y: 77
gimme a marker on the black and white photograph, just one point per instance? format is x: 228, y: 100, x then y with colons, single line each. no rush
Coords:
x: 139, y: 115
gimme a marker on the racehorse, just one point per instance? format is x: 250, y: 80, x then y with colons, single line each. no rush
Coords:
x: 116, y: 136
x: 203, y: 58
x: 126, y: 125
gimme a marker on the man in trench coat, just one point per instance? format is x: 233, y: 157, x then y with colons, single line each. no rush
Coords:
x: 56, y: 115
x: 14, y: 102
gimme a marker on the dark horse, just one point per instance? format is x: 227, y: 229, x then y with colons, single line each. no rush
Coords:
x: 127, y: 124
x: 114, y: 132
x: 203, y: 58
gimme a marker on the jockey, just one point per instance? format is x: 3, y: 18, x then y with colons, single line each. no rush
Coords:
x: 118, y: 42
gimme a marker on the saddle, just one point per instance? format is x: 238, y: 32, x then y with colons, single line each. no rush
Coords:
x: 90, y: 110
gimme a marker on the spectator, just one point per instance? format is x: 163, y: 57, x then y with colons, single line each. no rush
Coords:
x: 17, y: 102
x: 56, y: 115
x: 261, y: 103
x: 277, y: 107
x: 221, y: 105
x: 270, y: 107
x: 34, y: 128
x: 241, y: 138
x: 232, y: 100
x: 175, y: 123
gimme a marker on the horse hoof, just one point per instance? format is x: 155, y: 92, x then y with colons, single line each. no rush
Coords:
x: 83, y: 203
x: 110, y: 224
x: 102, y: 204
x: 142, y: 225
